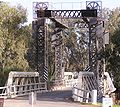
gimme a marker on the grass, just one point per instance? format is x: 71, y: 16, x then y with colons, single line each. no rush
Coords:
x: 91, y: 105
x: 116, y: 105
x: 98, y: 105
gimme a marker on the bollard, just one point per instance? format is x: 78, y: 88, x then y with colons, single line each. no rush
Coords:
x: 87, y: 97
x: 1, y: 102
x: 94, y: 97
x: 32, y: 98
x: 75, y: 92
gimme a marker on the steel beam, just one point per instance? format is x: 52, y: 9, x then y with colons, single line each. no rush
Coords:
x: 41, y: 45
x: 67, y: 13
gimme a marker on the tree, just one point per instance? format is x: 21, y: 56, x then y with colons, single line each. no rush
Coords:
x: 76, y: 49
x: 14, y: 39
x: 112, y: 52
x: 113, y: 57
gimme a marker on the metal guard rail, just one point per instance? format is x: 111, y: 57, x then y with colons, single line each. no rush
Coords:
x: 78, y: 97
x: 20, y: 90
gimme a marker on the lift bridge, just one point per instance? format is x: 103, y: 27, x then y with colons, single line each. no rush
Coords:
x: 90, y: 18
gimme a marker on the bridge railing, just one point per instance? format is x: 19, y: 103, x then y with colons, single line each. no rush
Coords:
x: 3, y: 93
x: 70, y: 82
x: 86, y: 96
x: 81, y: 95
x: 20, y: 90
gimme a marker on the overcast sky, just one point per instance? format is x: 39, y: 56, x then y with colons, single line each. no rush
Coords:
x: 28, y: 4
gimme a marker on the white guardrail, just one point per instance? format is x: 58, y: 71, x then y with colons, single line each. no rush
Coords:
x: 80, y: 95
x: 70, y: 82
x: 3, y: 93
x: 84, y: 95
x: 20, y: 90
x: 11, y: 91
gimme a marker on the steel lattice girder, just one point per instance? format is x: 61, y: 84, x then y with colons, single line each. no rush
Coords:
x: 67, y: 13
x: 58, y: 58
x: 92, y: 48
x: 39, y: 29
x: 76, y: 14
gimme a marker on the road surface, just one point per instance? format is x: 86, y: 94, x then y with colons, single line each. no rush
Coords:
x: 49, y: 99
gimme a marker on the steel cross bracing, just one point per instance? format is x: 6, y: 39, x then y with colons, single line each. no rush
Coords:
x: 67, y: 13
x: 92, y: 48
x: 62, y: 16
x: 41, y: 59
x: 58, y: 59
x: 99, y: 44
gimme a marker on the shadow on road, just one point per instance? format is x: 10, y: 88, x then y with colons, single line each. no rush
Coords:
x: 54, y: 96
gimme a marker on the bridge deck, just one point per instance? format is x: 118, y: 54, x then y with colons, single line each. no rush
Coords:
x: 24, y: 103
x: 50, y: 99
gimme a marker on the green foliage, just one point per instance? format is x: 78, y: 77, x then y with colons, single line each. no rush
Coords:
x: 113, y: 57
x: 14, y: 39
x: 116, y: 105
x: 75, y: 41
x: 114, y: 20
x: 112, y: 52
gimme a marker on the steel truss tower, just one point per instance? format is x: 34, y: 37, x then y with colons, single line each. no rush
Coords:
x: 40, y: 36
x: 91, y: 17
x: 58, y: 46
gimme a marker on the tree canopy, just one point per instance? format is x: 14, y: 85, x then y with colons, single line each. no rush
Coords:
x: 14, y: 39
x: 112, y: 52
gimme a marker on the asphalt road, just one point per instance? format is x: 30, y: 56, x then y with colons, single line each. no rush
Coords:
x: 49, y: 99
x: 55, y: 96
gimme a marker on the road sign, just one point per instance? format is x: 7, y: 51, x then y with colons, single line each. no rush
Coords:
x: 107, y: 102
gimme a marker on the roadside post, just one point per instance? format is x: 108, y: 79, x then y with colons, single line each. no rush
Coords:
x: 32, y: 98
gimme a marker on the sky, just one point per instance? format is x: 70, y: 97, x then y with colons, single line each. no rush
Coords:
x: 28, y: 4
